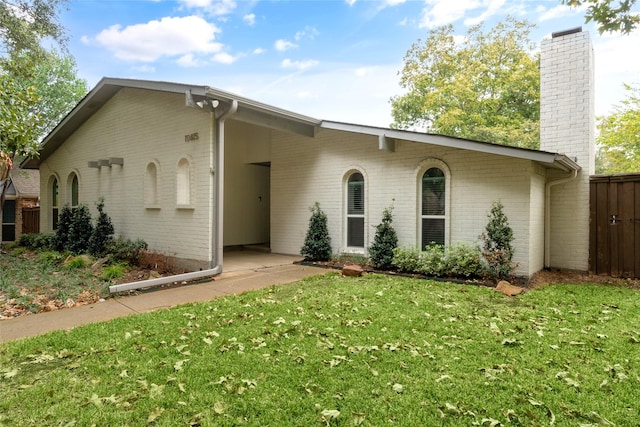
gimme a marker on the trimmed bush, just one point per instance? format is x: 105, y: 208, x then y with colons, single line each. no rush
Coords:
x: 384, y: 242
x: 432, y: 261
x: 37, y: 241
x: 496, y: 248
x: 459, y: 260
x: 65, y: 219
x: 317, y: 243
x: 464, y: 260
x: 102, y: 233
x: 80, y: 230
x: 406, y: 260
x: 125, y: 250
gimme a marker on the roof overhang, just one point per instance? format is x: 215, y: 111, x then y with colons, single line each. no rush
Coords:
x: 248, y: 111
x: 546, y: 159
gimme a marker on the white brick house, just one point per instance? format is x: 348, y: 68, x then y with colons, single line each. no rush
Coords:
x: 232, y: 171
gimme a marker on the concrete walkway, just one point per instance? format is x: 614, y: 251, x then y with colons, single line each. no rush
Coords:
x: 243, y: 271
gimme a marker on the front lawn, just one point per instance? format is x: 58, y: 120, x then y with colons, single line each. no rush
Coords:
x: 329, y: 350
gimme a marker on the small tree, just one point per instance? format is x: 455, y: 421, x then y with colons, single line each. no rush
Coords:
x: 80, y: 230
x: 317, y: 244
x: 496, y: 249
x: 102, y: 233
x: 384, y: 242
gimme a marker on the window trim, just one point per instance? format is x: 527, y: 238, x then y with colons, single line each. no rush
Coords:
x: 154, y: 202
x: 71, y: 191
x: 54, y: 202
x: 189, y: 182
x: 345, y: 235
x: 422, y: 168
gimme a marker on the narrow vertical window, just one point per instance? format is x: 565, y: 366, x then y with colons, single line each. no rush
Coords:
x: 433, y: 207
x: 151, y: 186
x: 183, y: 183
x: 355, y: 211
x: 74, y: 191
x: 54, y: 204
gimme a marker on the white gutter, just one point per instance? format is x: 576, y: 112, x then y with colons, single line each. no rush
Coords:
x: 547, y: 214
x: 217, y: 241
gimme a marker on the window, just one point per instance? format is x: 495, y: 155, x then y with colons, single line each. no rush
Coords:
x: 54, y: 203
x: 183, y: 189
x: 355, y: 211
x: 9, y: 221
x: 151, y: 198
x: 74, y: 190
x: 433, y: 195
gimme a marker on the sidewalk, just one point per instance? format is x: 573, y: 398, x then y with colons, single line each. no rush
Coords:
x: 241, y: 278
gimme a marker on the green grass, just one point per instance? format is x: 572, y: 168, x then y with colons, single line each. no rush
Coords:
x: 377, y: 350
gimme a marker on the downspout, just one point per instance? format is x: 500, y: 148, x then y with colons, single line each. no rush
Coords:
x: 217, y: 241
x: 547, y: 214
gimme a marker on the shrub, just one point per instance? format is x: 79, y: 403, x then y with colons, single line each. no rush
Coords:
x: 464, y: 260
x: 406, y: 259
x: 76, y: 262
x: 65, y: 219
x: 432, y: 261
x: 317, y: 243
x: 496, y: 248
x: 126, y: 250
x: 80, y: 230
x: 384, y: 242
x: 50, y: 257
x: 114, y: 271
x: 102, y: 232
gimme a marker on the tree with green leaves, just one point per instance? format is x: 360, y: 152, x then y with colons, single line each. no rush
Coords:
x: 496, y: 247
x: 619, y: 136
x: 384, y: 242
x: 25, y: 23
x: 611, y: 16
x: 317, y: 243
x: 485, y: 87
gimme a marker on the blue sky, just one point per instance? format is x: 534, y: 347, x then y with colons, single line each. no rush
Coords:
x: 332, y: 59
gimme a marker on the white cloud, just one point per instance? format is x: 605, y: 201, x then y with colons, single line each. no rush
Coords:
x: 189, y: 61
x: 299, y: 65
x: 282, y: 45
x: 212, y: 7
x: 224, y: 58
x: 259, y: 51
x: 307, y: 33
x: 249, y: 19
x: 155, y: 39
x: 350, y: 2
x: 559, y: 11
x: 441, y: 12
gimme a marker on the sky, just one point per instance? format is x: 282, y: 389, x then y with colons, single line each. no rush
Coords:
x: 328, y: 59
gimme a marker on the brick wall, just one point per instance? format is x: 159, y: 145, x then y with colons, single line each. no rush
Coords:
x: 567, y: 125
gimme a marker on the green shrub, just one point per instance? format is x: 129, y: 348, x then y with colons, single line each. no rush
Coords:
x: 17, y: 250
x: 125, y: 250
x: 432, y: 261
x: 406, y: 259
x: 384, y: 242
x: 65, y: 218
x: 317, y: 243
x: 50, y: 257
x: 80, y: 230
x: 76, y: 262
x: 114, y: 271
x: 102, y: 232
x: 464, y: 260
x: 496, y: 248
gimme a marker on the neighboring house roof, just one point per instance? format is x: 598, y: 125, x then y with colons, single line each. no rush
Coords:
x: 26, y: 182
x: 266, y: 115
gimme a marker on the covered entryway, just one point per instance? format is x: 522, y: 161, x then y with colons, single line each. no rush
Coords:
x: 614, y: 217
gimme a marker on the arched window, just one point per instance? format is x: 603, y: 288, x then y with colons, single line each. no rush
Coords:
x: 74, y: 190
x: 151, y: 198
x: 433, y: 211
x: 183, y: 196
x: 54, y: 203
x: 355, y: 211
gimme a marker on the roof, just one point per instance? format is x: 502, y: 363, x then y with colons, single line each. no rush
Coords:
x: 26, y: 182
x: 269, y: 116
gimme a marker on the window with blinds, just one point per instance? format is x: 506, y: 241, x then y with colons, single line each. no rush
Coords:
x: 433, y: 207
x: 355, y: 211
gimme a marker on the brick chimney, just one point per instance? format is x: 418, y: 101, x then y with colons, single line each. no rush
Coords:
x: 567, y: 126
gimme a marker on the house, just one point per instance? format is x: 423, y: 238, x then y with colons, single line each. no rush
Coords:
x: 193, y: 169
x: 20, y: 213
